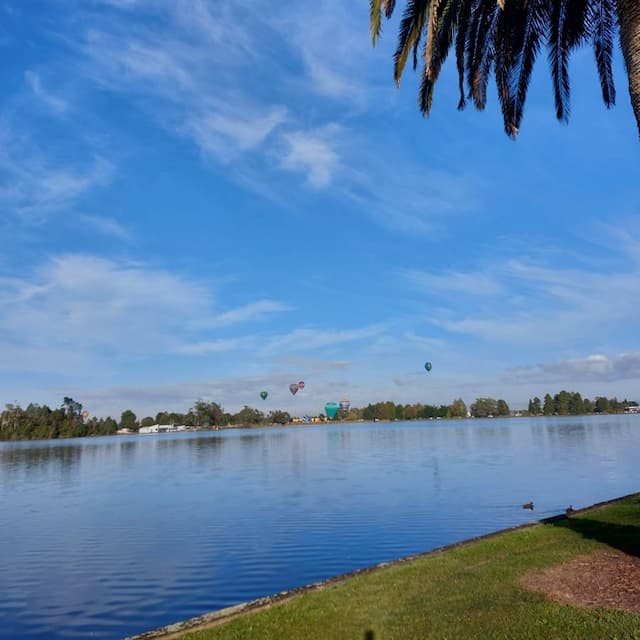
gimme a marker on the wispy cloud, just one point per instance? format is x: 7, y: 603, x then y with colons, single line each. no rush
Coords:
x: 304, y: 340
x: 248, y: 312
x: 53, y: 102
x: 475, y: 284
x: 598, y: 368
x: 33, y: 186
x: 313, y: 153
x: 107, y: 226
x: 225, y: 131
x: 526, y: 302
x: 103, y: 308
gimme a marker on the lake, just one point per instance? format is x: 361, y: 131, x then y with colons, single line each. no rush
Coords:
x: 106, y: 537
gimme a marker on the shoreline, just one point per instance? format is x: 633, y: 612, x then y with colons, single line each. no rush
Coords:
x: 316, y: 424
x: 221, y: 616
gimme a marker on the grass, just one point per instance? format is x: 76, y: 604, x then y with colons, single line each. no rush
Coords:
x: 467, y: 592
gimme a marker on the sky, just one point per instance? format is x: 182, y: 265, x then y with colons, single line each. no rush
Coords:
x: 204, y: 199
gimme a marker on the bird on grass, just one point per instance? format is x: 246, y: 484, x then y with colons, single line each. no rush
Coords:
x: 528, y: 505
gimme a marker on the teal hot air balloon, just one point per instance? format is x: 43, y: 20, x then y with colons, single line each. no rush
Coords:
x: 264, y: 394
x: 331, y: 409
x: 427, y: 366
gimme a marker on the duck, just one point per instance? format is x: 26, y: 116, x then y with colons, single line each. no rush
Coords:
x: 528, y: 505
x: 569, y: 510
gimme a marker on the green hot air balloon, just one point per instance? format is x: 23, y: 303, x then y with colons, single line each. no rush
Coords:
x: 427, y: 366
x: 331, y: 409
x: 264, y: 394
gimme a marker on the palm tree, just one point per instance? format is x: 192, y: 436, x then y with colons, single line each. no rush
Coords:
x: 505, y: 36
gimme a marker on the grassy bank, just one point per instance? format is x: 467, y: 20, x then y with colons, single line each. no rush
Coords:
x: 472, y: 591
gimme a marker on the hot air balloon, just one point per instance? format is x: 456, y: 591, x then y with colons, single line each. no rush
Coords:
x: 293, y: 387
x: 331, y: 409
x: 301, y: 384
x: 264, y: 394
x: 344, y: 405
x: 427, y: 366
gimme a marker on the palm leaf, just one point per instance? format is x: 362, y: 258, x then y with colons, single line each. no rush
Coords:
x: 602, y: 18
x: 437, y: 51
x: 536, y: 18
x: 464, y: 15
x: 411, y: 26
x: 480, y: 59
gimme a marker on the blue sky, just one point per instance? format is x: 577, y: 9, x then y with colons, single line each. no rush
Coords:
x: 206, y: 199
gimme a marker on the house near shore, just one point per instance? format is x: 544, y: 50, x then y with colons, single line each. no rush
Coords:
x: 162, y: 428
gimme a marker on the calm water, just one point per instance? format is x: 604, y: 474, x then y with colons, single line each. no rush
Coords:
x: 112, y: 536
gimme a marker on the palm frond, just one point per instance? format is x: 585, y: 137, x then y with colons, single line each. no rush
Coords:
x: 602, y: 19
x: 464, y: 15
x: 437, y: 50
x: 480, y: 58
x: 568, y: 29
x: 536, y: 18
x: 510, y: 31
x: 411, y: 26
x: 376, y: 8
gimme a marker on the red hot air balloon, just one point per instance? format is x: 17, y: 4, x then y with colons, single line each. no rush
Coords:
x: 301, y: 384
x: 293, y: 387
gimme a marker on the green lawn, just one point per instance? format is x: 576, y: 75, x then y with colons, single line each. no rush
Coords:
x: 467, y: 592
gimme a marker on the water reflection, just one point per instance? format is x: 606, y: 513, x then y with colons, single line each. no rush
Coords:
x: 136, y: 532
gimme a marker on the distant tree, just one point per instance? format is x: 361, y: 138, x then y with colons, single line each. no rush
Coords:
x: 279, y: 417
x: 576, y: 404
x: 411, y: 412
x: 458, y: 409
x: 502, y: 408
x: 162, y: 417
x: 207, y: 413
x: 248, y: 415
x: 484, y: 407
x: 537, y: 406
x: 128, y: 420
x: 549, y: 408
x: 147, y: 422
x: 602, y: 405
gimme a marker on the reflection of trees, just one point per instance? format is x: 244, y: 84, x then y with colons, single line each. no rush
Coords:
x: 128, y: 450
x: 205, y: 447
x: 57, y: 459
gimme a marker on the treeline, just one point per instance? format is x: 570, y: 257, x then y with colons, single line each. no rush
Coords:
x: 392, y: 411
x: 36, y: 422
x: 571, y: 403
x: 39, y: 422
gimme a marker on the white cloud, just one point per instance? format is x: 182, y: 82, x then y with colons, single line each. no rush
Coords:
x: 312, y: 152
x: 107, y: 226
x: 224, y: 134
x: 216, y: 346
x: 34, y: 186
x: 476, y: 284
x: 599, y: 368
x: 528, y: 303
x: 248, y: 312
x: 53, y: 102
x: 97, y: 308
x: 302, y: 340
